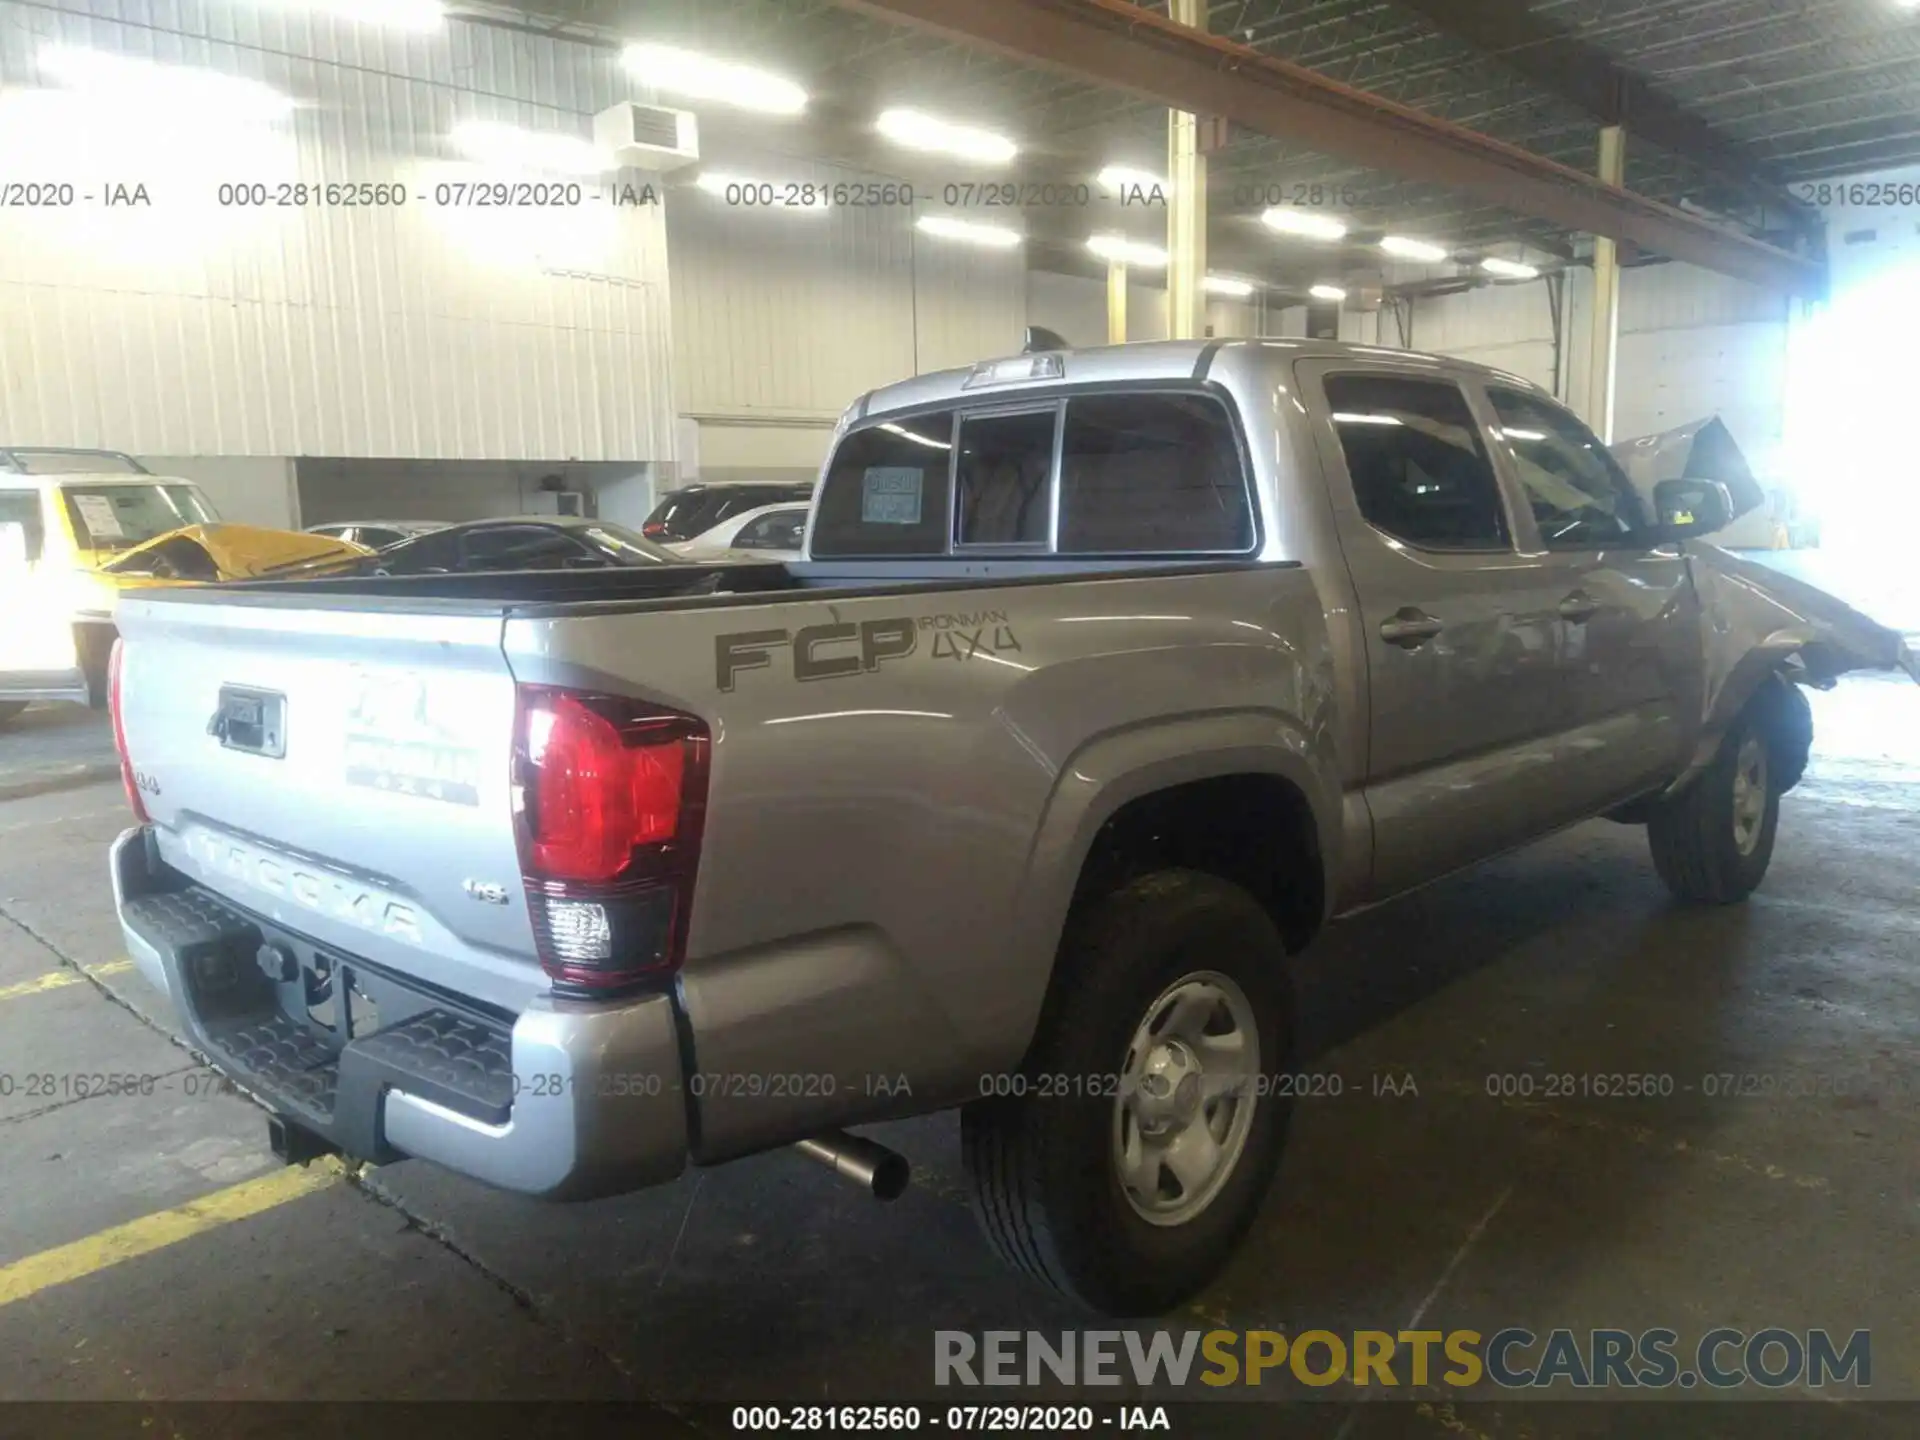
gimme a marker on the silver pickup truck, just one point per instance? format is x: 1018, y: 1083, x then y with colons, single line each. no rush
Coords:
x: 1108, y: 678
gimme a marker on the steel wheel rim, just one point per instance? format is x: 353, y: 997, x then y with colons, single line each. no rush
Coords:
x: 1187, y: 1097
x: 1749, y: 794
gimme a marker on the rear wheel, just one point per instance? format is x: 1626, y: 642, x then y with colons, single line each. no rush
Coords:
x: 1141, y: 1137
x: 1713, y: 843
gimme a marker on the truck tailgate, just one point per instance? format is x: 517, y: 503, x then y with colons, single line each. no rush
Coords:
x: 344, y: 773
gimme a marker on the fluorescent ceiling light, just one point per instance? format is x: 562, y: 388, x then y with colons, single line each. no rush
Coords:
x: 1405, y: 249
x: 1327, y: 292
x: 915, y: 436
x: 998, y: 236
x: 1125, y: 177
x: 919, y: 131
x: 511, y: 147
x: 1348, y: 417
x: 1511, y: 269
x: 1289, y: 220
x: 701, y: 77
x: 399, y: 14
x: 1227, y: 285
x: 1513, y: 434
x: 167, y: 90
x: 1120, y: 250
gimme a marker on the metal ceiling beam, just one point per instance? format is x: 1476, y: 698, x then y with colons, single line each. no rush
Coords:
x: 1580, y: 73
x: 1117, y: 43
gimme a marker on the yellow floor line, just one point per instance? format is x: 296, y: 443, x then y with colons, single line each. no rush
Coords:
x: 60, y: 979
x: 30, y: 1276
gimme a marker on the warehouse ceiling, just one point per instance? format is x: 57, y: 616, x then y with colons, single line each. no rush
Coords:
x: 1731, y: 105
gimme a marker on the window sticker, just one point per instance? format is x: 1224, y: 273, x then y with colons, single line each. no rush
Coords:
x: 97, y: 512
x: 890, y: 494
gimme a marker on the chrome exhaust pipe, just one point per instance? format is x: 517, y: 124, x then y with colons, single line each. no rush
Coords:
x: 872, y: 1166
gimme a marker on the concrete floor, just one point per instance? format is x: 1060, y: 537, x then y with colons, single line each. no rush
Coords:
x: 770, y: 1280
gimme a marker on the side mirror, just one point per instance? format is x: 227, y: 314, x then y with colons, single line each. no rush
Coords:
x: 1691, y: 507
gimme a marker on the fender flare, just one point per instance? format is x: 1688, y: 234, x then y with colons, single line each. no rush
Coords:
x: 1115, y: 768
x: 1751, y: 680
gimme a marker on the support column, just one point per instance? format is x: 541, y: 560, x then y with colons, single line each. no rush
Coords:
x: 1187, y: 206
x: 1604, y: 321
x: 1116, y: 303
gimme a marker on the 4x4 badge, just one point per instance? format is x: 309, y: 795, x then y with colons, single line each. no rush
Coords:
x: 485, y: 890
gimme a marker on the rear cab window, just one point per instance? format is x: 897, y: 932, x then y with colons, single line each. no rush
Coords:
x: 1119, y: 473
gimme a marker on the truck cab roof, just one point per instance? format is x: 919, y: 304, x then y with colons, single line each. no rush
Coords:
x: 1171, y: 360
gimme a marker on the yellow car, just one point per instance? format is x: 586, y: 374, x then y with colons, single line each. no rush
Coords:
x: 209, y: 553
x: 79, y: 526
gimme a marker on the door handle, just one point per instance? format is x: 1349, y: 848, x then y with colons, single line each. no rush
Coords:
x: 1579, y: 607
x: 1410, y: 628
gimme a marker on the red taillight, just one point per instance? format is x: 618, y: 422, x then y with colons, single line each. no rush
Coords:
x: 612, y: 797
x: 600, y: 789
x: 120, y: 735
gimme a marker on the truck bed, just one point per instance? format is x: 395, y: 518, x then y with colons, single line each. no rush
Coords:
x: 669, y: 587
x: 897, y: 774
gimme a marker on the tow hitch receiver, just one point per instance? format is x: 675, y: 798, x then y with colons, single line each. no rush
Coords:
x: 294, y: 1143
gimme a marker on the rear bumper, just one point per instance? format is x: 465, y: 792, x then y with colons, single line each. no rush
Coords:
x: 570, y: 1101
x: 45, y: 685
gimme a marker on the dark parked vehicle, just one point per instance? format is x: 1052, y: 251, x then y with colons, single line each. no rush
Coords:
x: 530, y: 542
x: 696, y: 509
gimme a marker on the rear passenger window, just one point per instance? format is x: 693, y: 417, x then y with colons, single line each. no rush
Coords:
x: 1151, y: 474
x: 886, y: 492
x: 1002, y: 484
x: 1419, y: 470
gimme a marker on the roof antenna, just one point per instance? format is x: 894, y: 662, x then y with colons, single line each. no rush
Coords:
x: 1040, y: 338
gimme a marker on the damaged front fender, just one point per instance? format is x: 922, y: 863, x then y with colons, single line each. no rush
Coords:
x: 1757, y: 623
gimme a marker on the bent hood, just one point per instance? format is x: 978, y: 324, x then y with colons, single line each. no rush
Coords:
x: 1702, y: 450
x: 239, y: 552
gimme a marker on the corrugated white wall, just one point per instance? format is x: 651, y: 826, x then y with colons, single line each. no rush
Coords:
x: 1075, y: 306
x: 245, y: 490
x: 1695, y: 343
x: 1692, y: 343
x: 1509, y: 327
x: 341, y: 489
x: 187, y: 328
x: 784, y: 315
x: 1873, y: 229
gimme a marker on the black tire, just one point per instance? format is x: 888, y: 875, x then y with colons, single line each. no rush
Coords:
x: 10, y: 711
x: 94, y: 644
x: 1041, y: 1166
x: 1696, y: 847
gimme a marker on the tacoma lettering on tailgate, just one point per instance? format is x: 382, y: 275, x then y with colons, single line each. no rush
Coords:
x: 321, y: 891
